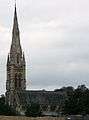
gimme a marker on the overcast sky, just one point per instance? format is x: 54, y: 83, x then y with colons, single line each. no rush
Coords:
x: 55, y: 39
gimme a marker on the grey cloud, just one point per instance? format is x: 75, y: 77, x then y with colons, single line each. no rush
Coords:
x: 54, y: 36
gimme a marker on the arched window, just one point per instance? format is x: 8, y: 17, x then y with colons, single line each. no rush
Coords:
x: 16, y: 78
x: 20, y: 79
x: 17, y: 58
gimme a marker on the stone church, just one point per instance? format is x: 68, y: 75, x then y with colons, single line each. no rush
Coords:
x: 16, y: 94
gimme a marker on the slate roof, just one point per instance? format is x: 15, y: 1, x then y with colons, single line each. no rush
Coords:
x: 44, y: 98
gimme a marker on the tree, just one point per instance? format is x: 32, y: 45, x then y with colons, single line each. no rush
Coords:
x: 33, y: 110
x: 68, y: 89
x: 5, y: 109
x: 78, y: 101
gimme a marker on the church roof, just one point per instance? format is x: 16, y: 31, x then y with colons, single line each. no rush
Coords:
x: 44, y: 98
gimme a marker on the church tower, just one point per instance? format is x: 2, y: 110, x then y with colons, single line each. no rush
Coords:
x: 16, y: 79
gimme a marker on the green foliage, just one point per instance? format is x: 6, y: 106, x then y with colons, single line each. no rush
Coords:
x: 68, y: 90
x: 33, y: 110
x: 78, y: 101
x: 5, y: 109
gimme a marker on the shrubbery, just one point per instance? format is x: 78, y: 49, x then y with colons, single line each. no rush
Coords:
x: 5, y: 109
x: 78, y: 101
x: 33, y: 110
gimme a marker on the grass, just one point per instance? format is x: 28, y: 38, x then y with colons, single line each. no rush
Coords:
x: 28, y: 118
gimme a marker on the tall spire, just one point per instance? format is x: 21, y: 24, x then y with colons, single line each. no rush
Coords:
x: 15, y: 25
x: 16, y: 80
x: 15, y: 46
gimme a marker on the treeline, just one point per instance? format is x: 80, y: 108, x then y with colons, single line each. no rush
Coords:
x: 77, y: 101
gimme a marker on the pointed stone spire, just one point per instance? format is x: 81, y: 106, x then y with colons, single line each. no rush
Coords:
x: 16, y: 75
x: 15, y: 25
x: 15, y: 46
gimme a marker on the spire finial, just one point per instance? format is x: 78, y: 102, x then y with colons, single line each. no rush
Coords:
x: 15, y: 3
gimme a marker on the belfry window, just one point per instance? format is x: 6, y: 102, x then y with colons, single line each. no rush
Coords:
x: 16, y: 78
x: 17, y: 58
x: 20, y: 79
